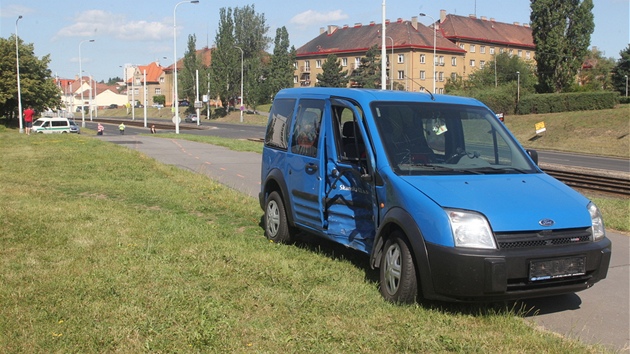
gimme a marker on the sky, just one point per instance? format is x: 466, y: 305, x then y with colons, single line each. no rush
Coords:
x: 142, y: 31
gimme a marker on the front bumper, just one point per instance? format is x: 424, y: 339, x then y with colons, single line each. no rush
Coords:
x: 494, y: 275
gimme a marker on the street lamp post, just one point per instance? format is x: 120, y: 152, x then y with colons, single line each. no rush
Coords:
x: 241, y: 81
x: 81, y: 82
x: 175, y: 101
x: 518, y: 86
x: 434, y: 38
x: 17, y: 61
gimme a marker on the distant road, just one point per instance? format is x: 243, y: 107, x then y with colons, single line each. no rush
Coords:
x: 587, y: 161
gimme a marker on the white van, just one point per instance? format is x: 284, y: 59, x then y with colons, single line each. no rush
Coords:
x: 55, y: 125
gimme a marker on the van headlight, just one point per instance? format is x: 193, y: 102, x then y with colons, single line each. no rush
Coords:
x: 470, y: 229
x: 597, y: 222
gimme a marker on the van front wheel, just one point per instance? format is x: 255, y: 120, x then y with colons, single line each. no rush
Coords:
x: 399, y: 283
x: 276, y: 226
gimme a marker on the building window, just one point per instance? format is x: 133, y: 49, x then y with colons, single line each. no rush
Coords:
x: 528, y: 54
x: 295, y: 79
x: 158, y: 91
x: 295, y: 65
x: 344, y: 61
x: 453, y: 76
x: 482, y: 63
x: 473, y: 48
x: 461, y: 45
x: 136, y: 91
x: 492, y: 50
x: 423, y: 58
x: 482, y: 49
x: 138, y: 81
x: 511, y: 52
x: 318, y: 63
x: 162, y: 79
x: 401, y: 74
x: 357, y: 62
x: 423, y: 75
x: 454, y: 61
x: 501, y: 50
x: 520, y: 53
x: 441, y: 60
x: 401, y: 58
x: 307, y: 65
x: 441, y: 76
x: 472, y: 63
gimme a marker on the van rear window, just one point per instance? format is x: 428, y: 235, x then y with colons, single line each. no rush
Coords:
x: 277, y: 135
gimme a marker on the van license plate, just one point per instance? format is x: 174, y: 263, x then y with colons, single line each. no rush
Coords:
x: 557, y: 268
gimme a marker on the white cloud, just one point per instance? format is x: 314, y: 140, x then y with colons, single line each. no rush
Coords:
x: 312, y: 17
x: 94, y: 23
x: 13, y: 11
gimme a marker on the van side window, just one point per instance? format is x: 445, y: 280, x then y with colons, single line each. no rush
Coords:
x: 307, y: 127
x: 58, y: 123
x: 350, y: 146
x: 278, y: 125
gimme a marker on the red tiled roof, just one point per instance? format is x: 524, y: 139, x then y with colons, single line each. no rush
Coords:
x: 154, y: 71
x: 360, y: 38
x: 482, y: 30
x: 206, y: 58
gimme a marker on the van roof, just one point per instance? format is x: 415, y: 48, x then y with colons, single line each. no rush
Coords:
x: 368, y: 95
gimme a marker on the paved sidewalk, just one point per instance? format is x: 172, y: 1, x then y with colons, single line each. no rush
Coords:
x: 238, y: 170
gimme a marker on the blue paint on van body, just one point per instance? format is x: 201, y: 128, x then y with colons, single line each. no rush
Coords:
x: 433, y: 188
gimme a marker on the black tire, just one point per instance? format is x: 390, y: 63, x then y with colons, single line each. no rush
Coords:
x: 276, y: 226
x: 398, y: 280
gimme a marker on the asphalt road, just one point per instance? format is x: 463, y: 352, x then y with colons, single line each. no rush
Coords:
x: 600, y: 315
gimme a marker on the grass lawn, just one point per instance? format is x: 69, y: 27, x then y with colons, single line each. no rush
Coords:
x: 105, y: 250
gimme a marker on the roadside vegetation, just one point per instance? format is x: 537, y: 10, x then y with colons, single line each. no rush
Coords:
x: 106, y: 250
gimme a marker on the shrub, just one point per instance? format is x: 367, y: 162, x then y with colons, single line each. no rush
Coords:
x: 564, y: 102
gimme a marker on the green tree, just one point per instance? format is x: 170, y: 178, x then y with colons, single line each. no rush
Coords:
x: 621, y: 71
x: 332, y: 73
x: 245, y: 29
x: 159, y: 99
x: 37, y: 86
x: 280, y: 73
x: 562, y: 32
x: 596, y: 73
x: 508, y: 69
x: 187, y: 76
x: 368, y: 74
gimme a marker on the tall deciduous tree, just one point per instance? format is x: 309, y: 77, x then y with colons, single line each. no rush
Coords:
x: 280, y: 74
x: 368, y: 74
x: 562, y: 32
x: 245, y: 29
x: 332, y: 73
x: 37, y: 86
x: 504, y: 69
x: 187, y: 85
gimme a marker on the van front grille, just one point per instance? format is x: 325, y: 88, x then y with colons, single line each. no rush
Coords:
x: 543, y: 238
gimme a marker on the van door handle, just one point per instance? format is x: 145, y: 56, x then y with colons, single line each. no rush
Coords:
x: 311, y: 168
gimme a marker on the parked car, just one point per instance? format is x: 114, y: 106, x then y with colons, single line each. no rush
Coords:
x: 191, y: 118
x: 433, y: 188
x: 112, y: 106
x: 158, y: 105
x: 183, y: 103
x: 74, y: 128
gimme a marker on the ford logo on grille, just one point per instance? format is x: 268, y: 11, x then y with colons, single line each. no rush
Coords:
x: 546, y: 222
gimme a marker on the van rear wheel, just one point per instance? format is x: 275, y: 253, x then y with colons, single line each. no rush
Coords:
x: 399, y: 283
x: 276, y: 225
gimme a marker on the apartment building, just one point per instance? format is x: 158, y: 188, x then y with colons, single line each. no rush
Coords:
x: 482, y: 38
x: 462, y: 45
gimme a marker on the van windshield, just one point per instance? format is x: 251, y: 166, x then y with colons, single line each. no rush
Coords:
x: 437, y: 138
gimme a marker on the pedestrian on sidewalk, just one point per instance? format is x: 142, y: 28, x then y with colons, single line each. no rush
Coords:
x: 153, y: 131
x: 121, y: 127
x: 100, y: 129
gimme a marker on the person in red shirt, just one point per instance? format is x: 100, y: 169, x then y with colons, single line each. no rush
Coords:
x: 28, y: 119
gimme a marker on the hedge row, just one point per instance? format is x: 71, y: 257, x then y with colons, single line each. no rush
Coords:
x: 564, y: 102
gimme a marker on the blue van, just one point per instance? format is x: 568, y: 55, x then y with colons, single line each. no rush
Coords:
x: 433, y: 188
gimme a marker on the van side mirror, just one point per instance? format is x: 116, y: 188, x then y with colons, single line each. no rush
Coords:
x: 534, y: 155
